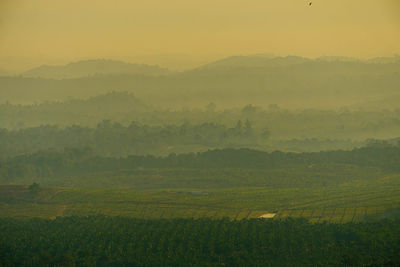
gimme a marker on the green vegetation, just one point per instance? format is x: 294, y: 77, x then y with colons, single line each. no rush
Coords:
x: 371, y: 195
x: 93, y: 178
x: 335, y: 186
x: 34, y: 188
x: 76, y: 162
x: 121, y: 113
x: 116, y: 241
x: 135, y: 139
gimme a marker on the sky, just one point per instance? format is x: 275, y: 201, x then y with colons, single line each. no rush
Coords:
x: 56, y: 31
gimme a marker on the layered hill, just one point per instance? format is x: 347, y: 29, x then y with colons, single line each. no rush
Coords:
x: 93, y: 67
x: 291, y: 82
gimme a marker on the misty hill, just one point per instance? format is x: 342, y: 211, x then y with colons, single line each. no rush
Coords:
x: 291, y: 82
x: 113, y: 106
x: 93, y: 67
x: 383, y: 60
x: 3, y: 72
x: 389, y: 102
x: 254, y: 62
x: 304, y: 65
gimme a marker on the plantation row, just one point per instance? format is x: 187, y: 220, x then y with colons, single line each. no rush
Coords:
x: 118, y: 241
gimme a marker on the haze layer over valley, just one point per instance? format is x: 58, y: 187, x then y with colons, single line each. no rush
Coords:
x: 199, y: 133
x: 290, y: 82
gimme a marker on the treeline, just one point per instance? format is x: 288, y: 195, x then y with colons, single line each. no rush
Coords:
x: 116, y: 241
x: 284, y: 124
x: 88, y: 112
x: 114, y: 139
x: 81, y: 161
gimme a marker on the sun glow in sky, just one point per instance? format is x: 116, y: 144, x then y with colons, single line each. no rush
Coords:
x: 49, y: 30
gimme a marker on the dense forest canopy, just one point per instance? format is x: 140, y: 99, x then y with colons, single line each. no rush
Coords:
x: 116, y: 241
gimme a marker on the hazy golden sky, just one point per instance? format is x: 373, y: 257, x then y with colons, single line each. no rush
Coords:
x: 46, y: 30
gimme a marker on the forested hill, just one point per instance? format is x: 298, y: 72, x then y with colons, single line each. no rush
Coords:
x: 58, y: 124
x: 75, y: 161
x: 114, y: 139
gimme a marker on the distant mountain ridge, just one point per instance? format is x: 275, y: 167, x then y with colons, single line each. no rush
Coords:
x: 93, y: 67
x: 257, y: 61
x: 291, y: 82
x: 254, y: 62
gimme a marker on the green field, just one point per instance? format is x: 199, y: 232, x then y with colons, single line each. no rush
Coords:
x: 346, y: 200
